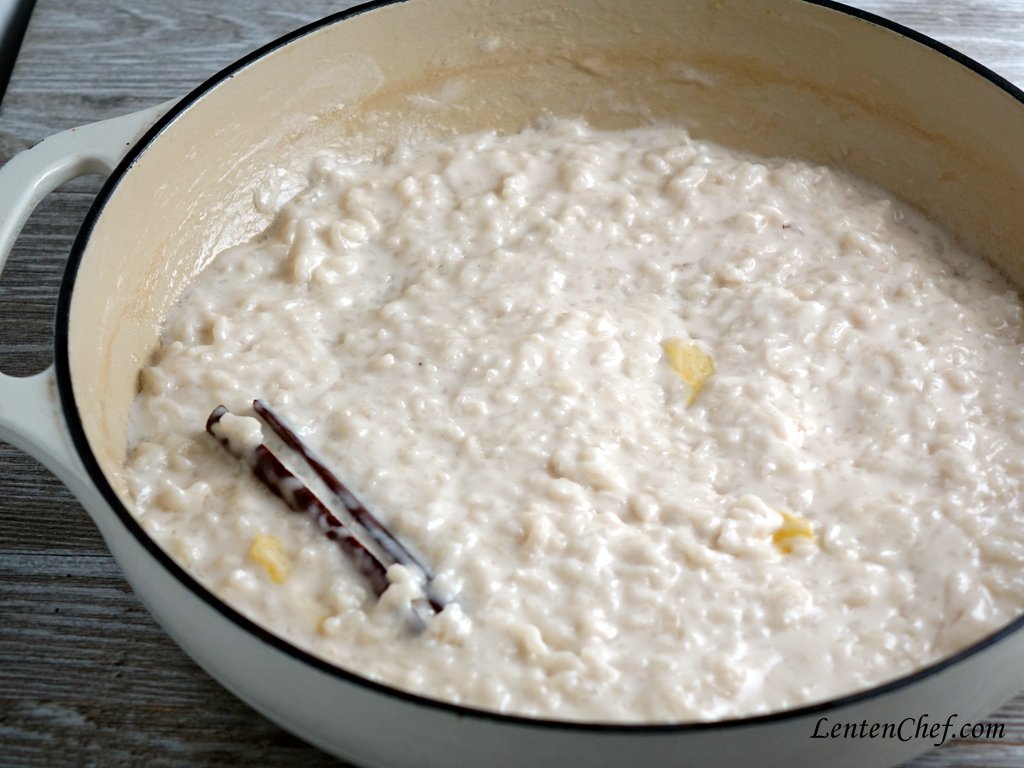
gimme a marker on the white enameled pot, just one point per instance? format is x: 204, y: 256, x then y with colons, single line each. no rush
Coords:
x: 793, y: 77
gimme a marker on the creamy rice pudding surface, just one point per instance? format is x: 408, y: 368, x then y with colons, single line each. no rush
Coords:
x: 683, y: 433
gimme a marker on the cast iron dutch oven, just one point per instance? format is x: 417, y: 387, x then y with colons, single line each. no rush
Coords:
x: 776, y: 77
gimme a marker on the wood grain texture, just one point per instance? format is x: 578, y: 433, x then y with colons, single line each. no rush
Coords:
x: 86, y: 676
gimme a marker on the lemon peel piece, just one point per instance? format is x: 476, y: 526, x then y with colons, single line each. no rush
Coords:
x: 270, y: 553
x: 690, y: 363
x: 793, y: 527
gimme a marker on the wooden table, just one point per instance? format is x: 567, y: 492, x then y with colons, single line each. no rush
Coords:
x: 86, y: 676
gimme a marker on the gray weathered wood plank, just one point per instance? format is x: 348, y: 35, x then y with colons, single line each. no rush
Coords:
x: 86, y: 676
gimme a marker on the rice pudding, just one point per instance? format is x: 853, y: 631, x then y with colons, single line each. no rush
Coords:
x: 684, y: 434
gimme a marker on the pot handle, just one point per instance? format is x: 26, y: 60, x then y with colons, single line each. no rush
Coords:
x: 31, y: 417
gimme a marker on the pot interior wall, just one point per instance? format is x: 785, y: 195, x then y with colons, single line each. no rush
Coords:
x: 776, y: 77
